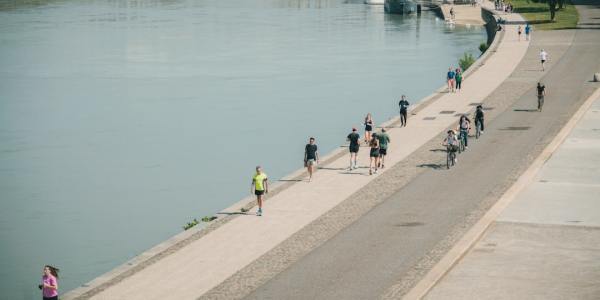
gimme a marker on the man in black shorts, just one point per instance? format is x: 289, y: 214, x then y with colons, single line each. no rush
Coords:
x: 354, y: 139
x: 541, y: 92
x: 311, y: 157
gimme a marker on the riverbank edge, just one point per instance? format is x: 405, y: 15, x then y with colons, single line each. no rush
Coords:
x: 178, y: 241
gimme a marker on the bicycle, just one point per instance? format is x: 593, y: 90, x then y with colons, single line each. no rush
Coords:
x: 450, y: 155
x: 463, y: 140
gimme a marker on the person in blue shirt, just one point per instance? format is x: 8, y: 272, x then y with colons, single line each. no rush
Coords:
x: 450, y: 78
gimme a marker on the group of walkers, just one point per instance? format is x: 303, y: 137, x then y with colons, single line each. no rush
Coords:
x: 503, y: 6
x: 528, y: 30
x: 454, y: 79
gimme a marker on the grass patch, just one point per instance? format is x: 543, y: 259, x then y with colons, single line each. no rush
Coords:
x: 537, y: 13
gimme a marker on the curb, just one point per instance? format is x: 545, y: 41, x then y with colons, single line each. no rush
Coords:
x: 465, y: 244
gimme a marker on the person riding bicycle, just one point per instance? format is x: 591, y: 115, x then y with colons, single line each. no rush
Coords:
x: 479, y: 117
x: 464, y: 124
x: 451, y: 142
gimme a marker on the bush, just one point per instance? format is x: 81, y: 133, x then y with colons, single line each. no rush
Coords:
x: 466, y: 61
x: 483, y: 47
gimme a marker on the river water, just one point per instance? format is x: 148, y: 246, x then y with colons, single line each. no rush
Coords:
x: 122, y: 120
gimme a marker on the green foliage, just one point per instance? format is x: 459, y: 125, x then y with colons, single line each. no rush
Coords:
x: 538, y: 13
x: 483, y: 47
x: 208, y: 219
x: 466, y: 61
x: 190, y: 224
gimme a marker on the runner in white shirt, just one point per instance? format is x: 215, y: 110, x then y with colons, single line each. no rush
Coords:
x: 543, y: 58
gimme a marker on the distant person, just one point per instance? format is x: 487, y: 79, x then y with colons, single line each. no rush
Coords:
x: 403, y: 110
x: 541, y: 92
x: 519, y: 31
x: 384, y: 140
x: 368, y: 127
x: 450, y: 78
x: 458, y: 77
x: 452, y: 13
x: 354, y: 139
x: 527, y: 32
x: 49, y: 284
x: 451, y: 142
x: 464, y: 124
x: 479, y: 115
x: 374, y: 154
x: 311, y: 157
x: 543, y: 58
x: 260, y: 187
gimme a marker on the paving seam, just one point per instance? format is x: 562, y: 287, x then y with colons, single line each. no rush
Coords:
x: 480, y: 228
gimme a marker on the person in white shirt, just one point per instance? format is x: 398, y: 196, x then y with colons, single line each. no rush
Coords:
x: 543, y: 58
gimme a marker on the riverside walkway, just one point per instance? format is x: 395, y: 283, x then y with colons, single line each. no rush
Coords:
x: 213, y: 265
x: 464, y: 14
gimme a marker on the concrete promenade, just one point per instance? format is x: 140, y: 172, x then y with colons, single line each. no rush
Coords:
x: 205, y: 263
x: 546, y: 243
x: 464, y: 14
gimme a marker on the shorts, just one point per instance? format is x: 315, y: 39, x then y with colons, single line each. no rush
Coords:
x: 374, y: 153
x: 382, y: 151
x: 354, y: 148
x: 543, y: 60
x: 369, y: 128
x: 311, y: 162
x: 259, y: 192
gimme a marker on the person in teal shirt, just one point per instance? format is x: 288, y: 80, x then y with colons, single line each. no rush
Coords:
x: 384, y: 140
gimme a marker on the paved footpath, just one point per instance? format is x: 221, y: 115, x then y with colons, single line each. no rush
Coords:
x: 204, y: 263
x: 546, y: 243
x: 388, y: 249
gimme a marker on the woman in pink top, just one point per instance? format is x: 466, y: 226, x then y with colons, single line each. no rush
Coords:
x: 49, y: 284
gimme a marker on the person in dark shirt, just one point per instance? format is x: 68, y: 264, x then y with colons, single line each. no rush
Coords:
x: 541, y: 92
x: 479, y: 117
x: 354, y: 139
x: 403, y: 110
x: 311, y: 157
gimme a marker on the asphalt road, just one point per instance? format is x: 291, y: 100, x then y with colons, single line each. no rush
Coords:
x: 373, y: 254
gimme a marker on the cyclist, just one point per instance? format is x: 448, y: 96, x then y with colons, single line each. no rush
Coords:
x: 479, y: 117
x: 541, y: 92
x: 451, y: 143
x: 464, y: 124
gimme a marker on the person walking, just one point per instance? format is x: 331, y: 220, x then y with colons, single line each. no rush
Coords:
x: 458, y: 77
x: 260, y: 187
x: 519, y: 31
x: 403, y: 110
x: 384, y: 140
x: 368, y: 127
x: 450, y: 78
x: 543, y: 58
x: 354, y: 139
x: 479, y: 115
x: 374, y: 154
x: 541, y: 92
x: 527, y: 31
x: 49, y: 284
x: 311, y: 157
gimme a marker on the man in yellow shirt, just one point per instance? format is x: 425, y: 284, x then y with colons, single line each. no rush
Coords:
x: 260, y: 187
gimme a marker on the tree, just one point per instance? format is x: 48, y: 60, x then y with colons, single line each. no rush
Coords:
x: 552, y: 6
x: 466, y: 61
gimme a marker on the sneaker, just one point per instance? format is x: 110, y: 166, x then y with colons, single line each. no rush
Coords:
x: 375, y: 171
x: 355, y: 167
x: 259, y: 212
x: 370, y: 172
